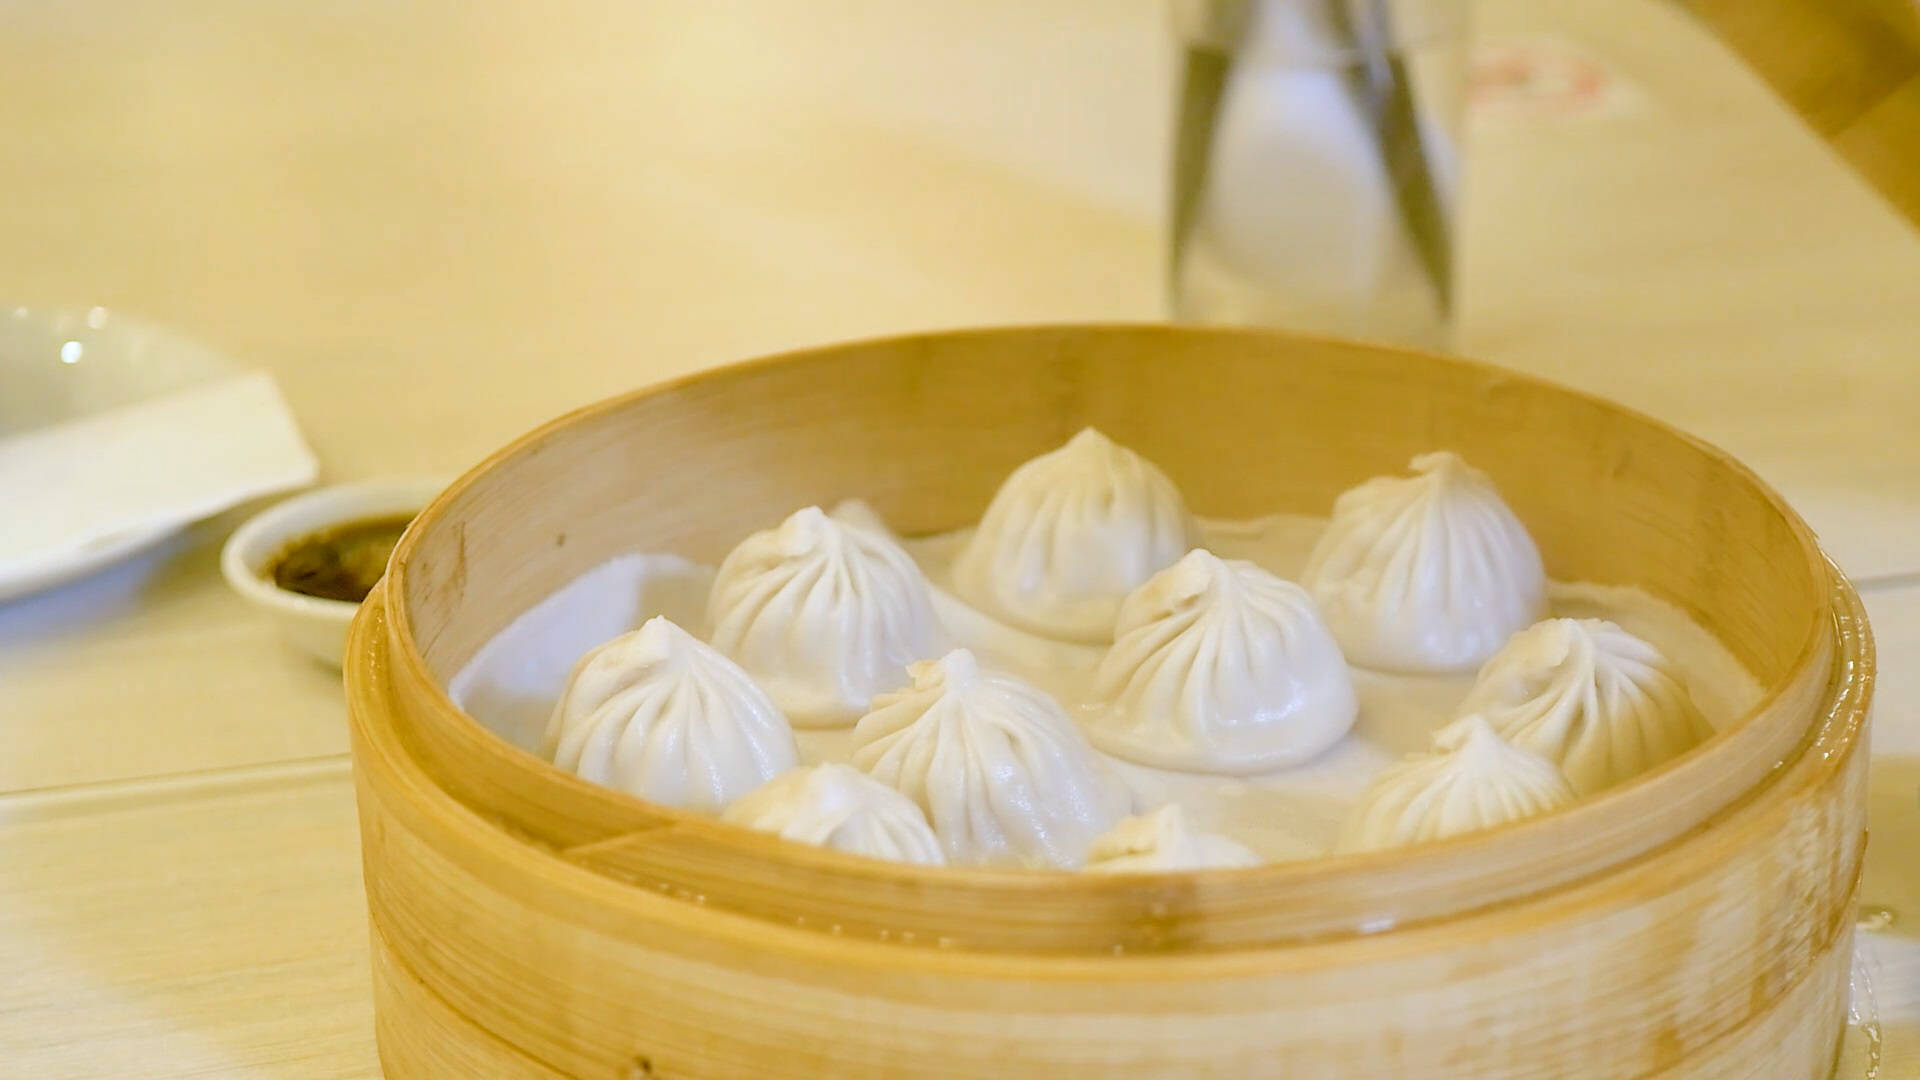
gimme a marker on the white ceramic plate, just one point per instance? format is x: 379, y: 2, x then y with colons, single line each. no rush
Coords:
x: 60, y: 365
x: 81, y: 560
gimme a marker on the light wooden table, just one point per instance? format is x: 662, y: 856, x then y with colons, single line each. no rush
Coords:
x: 440, y: 224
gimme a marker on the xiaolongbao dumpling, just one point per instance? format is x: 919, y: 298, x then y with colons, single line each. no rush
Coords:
x: 838, y: 806
x: 1001, y: 772
x: 1425, y: 573
x: 1219, y: 666
x: 824, y: 614
x: 1069, y: 535
x: 1162, y: 840
x: 1590, y: 697
x: 1482, y: 782
x: 657, y: 714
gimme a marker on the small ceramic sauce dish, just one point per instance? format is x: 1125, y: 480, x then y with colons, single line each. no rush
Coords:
x: 300, y: 558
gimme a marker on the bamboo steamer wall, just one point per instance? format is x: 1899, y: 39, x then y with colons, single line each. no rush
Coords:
x: 1693, y: 922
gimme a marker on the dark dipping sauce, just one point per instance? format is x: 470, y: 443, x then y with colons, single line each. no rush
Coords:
x: 340, y: 563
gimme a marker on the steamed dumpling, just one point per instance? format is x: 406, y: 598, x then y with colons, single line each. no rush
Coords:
x: 1483, y: 781
x: 1427, y: 573
x: 1001, y: 772
x: 824, y: 614
x: 657, y: 714
x: 1219, y: 666
x: 1069, y: 535
x: 1162, y: 840
x: 1590, y: 697
x: 840, y: 807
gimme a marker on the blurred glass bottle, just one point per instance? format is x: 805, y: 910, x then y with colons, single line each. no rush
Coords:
x: 1316, y: 165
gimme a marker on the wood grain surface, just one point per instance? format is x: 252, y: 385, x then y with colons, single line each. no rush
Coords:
x: 1850, y: 68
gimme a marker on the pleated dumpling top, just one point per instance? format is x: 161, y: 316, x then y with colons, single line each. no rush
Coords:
x: 658, y: 714
x: 1483, y: 781
x: 824, y: 615
x: 1001, y: 772
x: 1219, y: 666
x: 840, y: 807
x: 1069, y: 535
x: 1427, y: 573
x: 1590, y: 697
x: 1163, y: 840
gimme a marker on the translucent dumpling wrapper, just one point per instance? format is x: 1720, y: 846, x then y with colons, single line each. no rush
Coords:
x: 1002, y: 774
x: 1587, y: 695
x: 1483, y: 781
x: 1069, y: 535
x: 658, y: 714
x: 1163, y: 840
x: 1427, y: 573
x: 1219, y: 666
x: 823, y: 614
x: 838, y: 806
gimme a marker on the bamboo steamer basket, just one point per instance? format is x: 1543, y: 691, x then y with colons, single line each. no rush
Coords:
x: 1696, y: 921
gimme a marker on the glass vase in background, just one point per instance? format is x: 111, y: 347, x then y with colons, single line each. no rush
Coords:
x: 1316, y: 166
